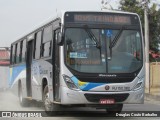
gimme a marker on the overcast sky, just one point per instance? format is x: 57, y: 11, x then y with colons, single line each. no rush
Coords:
x: 19, y: 16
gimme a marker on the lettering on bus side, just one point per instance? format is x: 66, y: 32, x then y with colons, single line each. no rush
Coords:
x: 42, y: 70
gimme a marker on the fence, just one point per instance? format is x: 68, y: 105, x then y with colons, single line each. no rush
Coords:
x: 155, y: 74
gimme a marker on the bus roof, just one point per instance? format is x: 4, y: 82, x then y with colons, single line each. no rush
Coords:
x: 60, y: 15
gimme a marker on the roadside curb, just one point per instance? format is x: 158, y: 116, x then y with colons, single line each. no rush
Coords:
x: 154, y: 97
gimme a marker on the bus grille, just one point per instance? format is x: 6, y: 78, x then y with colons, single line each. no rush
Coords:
x: 97, y: 97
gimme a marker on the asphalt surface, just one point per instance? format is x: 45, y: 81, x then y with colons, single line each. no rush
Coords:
x: 9, y: 102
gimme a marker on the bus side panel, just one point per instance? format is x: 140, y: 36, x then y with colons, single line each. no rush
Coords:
x: 18, y: 73
x: 41, y: 70
x: 36, y: 81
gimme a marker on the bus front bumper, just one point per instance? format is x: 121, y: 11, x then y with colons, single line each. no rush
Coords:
x: 69, y: 97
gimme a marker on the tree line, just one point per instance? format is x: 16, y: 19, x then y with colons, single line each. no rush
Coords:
x: 153, y: 18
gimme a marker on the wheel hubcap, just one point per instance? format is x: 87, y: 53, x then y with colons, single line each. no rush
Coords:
x: 47, y: 102
x: 20, y: 95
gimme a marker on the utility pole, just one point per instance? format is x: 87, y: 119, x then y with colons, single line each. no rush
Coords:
x: 146, y: 26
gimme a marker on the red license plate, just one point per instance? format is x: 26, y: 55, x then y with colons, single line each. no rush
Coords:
x: 107, y: 101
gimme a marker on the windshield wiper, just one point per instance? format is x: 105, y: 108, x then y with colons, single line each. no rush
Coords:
x: 114, y: 41
x: 92, y: 36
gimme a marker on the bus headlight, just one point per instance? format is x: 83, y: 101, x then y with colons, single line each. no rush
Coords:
x: 139, y: 84
x: 70, y: 83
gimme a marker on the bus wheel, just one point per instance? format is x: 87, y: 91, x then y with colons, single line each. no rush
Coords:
x: 50, y: 108
x: 23, y: 101
x: 115, y: 109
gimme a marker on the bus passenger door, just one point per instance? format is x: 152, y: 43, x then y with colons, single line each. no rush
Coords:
x: 56, y: 65
x: 28, y: 67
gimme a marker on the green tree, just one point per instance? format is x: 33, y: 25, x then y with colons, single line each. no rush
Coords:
x: 153, y: 17
x: 154, y: 27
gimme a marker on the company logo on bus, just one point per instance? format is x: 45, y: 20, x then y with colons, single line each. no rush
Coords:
x: 107, y: 87
x: 105, y: 75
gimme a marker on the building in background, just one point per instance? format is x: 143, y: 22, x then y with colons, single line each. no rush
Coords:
x: 4, y: 67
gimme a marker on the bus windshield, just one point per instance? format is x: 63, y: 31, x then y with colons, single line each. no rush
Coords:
x: 114, y: 55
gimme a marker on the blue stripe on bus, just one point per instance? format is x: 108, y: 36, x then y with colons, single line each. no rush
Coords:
x: 85, y: 85
x: 15, y: 71
x: 92, y: 85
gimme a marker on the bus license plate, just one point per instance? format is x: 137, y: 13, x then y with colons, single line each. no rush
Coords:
x: 107, y: 101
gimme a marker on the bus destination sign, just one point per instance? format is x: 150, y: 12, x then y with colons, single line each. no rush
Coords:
x: 101, y: 18
x: 116, y: 19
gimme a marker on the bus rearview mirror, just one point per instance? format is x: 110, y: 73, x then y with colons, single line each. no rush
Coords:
x: 59, y: 38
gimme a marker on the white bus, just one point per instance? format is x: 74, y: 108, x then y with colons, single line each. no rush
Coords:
x: 81, y: 58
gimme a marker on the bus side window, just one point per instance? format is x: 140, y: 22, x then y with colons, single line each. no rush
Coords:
x: 18, y: 53
x: 56, y: 32
x: 23, y: 51
x: 37, y: 45
x: 13, y: 55
x: 47, y: 41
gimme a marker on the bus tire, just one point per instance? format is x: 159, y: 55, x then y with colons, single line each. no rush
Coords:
x: 23, y: 101
x: 50, y: 108
x: 115, y: 109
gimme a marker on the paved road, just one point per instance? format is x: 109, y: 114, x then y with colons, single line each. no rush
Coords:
x: 9, y: 102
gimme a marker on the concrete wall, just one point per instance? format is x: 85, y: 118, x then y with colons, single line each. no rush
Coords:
x: 155, y: 74
x: 4, y: 77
